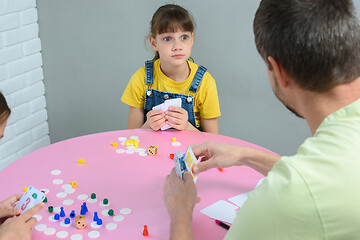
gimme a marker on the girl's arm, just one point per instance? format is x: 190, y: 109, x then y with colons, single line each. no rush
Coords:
x: 210, y: 125
x: 136, y: 117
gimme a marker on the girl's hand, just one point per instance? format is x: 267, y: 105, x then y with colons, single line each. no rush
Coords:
x: 155, y: 119
x: 7, y: 206
x: 177, y: 118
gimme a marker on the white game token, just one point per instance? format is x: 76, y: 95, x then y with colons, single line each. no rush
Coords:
x: 62, y: 234
x: 82, y: 197
x: 57, y: 210
x: 120, y: 150
x: 95, y: 225
x: 76, y: 237
x: 90, y: 200
x: 50, y: 231
x: 121, y: 139
x: 52, y: 219
x: 142, y: 154
x: 46, y: 191
x: 134, y: 137
x: 38, y: 217
x: 63, y: 224
x: 40, y: 227
x: 61, y: 195
x: 176, y: 144
x: 69, y: 190
x: 125, y: 211
x: 58, y: 181
x: 104, y: 205
x: 66, y: 186
x: 129, y: 151
x: 94, y: 234
x: 131, y: 148
x: 55, y: 172
x: 68, y: 202
x: 111, y: 226
x: 118, y: 218
x: 105, y: 212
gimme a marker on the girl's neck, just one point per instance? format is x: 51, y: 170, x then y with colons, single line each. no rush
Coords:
x: 176, y: 73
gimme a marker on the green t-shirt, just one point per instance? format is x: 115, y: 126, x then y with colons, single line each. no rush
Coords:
x: 314, y: 194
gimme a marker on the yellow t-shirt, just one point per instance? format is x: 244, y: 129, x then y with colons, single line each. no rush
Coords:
x: 314, y: 194
x: 206, y: 103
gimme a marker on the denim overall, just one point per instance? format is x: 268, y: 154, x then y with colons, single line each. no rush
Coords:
x: 155, y: 97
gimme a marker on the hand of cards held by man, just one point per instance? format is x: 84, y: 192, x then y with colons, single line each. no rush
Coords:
x: 30, y: 198
x: 185, y: 162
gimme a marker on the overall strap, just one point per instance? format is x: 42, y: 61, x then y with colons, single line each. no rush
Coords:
x: 197, y: 79
x: 149, y: 71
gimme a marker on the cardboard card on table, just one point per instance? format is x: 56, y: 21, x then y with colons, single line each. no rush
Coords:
x: 30, y: 198
x: 190, y: 162
x: 221, y: 210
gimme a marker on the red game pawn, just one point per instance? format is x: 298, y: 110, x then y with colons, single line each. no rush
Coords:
x: 172, y: 156
x: 145, y: 232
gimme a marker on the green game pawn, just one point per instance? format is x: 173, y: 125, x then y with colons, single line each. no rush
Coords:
x: 51, y: 209
x: 105, y: 201
x: 93, y: 196
x: 45, y: 200
x: 111, y: 212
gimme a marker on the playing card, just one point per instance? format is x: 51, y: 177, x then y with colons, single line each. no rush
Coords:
x: 175, y: 102
x: 180, y: 166
x: 30, y: 198
x: 190, y: 162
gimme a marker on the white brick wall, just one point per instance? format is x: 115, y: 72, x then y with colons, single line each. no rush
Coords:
x: 21, y: 80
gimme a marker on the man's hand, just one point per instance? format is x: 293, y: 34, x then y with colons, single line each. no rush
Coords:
x: 7, y: 207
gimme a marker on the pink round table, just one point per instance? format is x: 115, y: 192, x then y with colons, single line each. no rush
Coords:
x: 127, y: 180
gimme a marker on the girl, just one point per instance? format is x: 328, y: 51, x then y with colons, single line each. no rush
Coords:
x: 171, y: 75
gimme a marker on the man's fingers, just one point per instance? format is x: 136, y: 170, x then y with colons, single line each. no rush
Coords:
x: 29, y: 213
x: 187, y: 177
x: 31, y: 222
x: 203, y: 166
x: 7, y: 212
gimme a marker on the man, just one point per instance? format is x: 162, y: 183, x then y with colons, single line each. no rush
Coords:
x: 312, y: 52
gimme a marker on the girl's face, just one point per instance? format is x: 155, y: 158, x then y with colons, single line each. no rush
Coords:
x: 174, y: 47
x: 2, y: 128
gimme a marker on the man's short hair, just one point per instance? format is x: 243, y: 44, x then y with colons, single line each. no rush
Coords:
x: 317, y: 42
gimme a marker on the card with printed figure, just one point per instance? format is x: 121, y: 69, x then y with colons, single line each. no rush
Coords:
x: 30, y: 198
x: 190, y: 162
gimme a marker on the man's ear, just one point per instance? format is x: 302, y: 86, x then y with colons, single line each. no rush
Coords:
x: 280, y: 73
x: 153, y: 43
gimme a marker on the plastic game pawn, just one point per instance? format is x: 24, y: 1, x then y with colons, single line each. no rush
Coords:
x: 95, y: 217
x: 50, y: 209
x: 82, y: 211
x: 67, y: 221
x: 62, y: 213
x: 57, y: 216
x: 99, y: 222
x: 72, y: 214
x: 111, y: 212
x: 145, y: 232
x: 93, y: 196
x: 105, y: 201
x: 85, y: 207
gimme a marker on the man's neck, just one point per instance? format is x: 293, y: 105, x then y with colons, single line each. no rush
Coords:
x: 315, y: 107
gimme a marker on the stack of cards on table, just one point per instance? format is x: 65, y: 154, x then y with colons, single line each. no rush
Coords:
x: 30, y: 198
x: 176, y: 102
x: 185, y: 162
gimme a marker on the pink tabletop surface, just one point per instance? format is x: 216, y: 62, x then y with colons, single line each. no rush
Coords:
x: 128, y: 180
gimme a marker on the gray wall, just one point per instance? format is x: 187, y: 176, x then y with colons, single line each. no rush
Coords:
x: 91, y: 48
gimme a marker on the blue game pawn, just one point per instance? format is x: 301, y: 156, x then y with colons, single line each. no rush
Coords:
x: 57, y: 216
x: 67, y: 220
x: 85, y: 207
x: 72, y: 214
x: 99, y: 221
x: 62, y: 213
x: 95, y: 217
x: 82, y: 211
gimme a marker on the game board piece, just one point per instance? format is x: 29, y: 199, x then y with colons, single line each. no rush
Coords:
x: 69, y: 190
x: 76, y: 236
x: 61, y: 194
x: 57, y: 216
x: 64, y: 224
x: 80, y: 222
x: 85, y: 207
x: 50, y: 231
x: 120, y: 150
x: 81, y: 160
x: 220, y: 169
x: 68, y: 202
x: 152, y: 150
x: 94, y: 234
x: 105, y: 201
x: 62, y: 212
x: 176, y: 144
x: 52, y: 219
x: 45, y: 200
x: 118, y: 218
x: 82, y: 211
x: 111, y: 226
x: 67, y: 221
x: 40, y: 227
x: 121, y: 139
x: 105, y: 212
x: 114, y: 144
x: 72, y: 214
x: 96, y: 217
x: 145, y: 232
x: 57, y: 210
x: 134, y: 137
x: 82, y: 197
x: 125, y: 211
x: 51, y: 209
x: 58, y: 181
x: 55, y: 172
x: 38, y: 217
x: 93, y: 196
x: 95, y: 225
x: 111, y: 212
x: 129, y: 151
x: 143, y: 154
x: 92, y: 200
x: 173, y: 139
x: 26, y: 188
x: 172, y: 156
x: 99, y: 222
x: 73, y: 184
x: 62, y: 234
